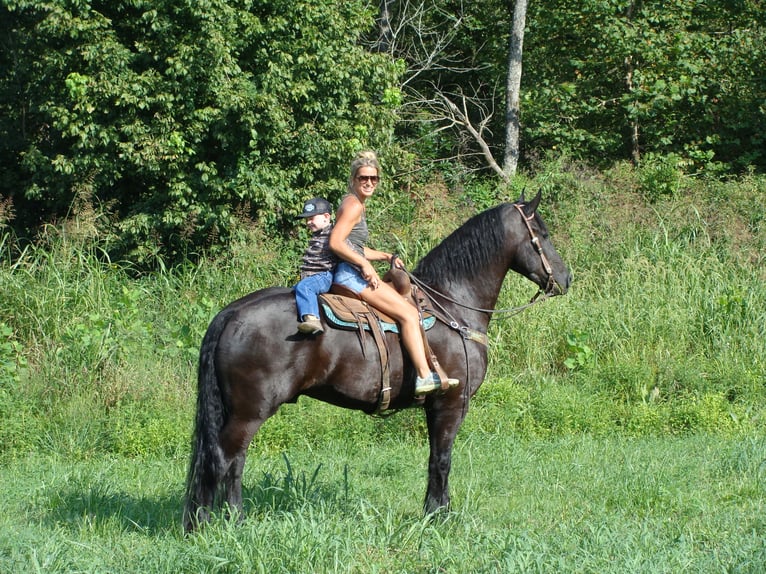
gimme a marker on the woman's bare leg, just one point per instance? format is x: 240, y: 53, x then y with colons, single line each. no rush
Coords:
x: 388, y: 300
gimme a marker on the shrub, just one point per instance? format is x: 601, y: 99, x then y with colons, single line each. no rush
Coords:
x: 660, y: 177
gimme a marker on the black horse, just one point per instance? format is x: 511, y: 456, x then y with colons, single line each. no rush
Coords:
x: 252, y: 359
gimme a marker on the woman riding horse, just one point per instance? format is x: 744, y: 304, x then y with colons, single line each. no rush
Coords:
x: 252, y: 361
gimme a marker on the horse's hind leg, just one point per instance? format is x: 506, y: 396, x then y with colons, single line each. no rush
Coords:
x: 235, y: 438
x: 231, y: 485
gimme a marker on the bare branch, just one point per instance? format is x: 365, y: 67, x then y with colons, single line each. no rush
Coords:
x: 422, y: 34
x: 460, y: 116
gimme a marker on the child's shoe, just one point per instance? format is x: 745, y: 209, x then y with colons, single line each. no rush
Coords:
x: 310, y: 325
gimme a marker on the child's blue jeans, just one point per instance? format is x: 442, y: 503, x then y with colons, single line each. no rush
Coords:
x: 306, y: 291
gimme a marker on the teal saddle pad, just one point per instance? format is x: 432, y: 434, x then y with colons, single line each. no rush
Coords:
x: 333, y: 319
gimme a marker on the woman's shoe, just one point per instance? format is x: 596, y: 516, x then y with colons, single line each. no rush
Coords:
x: 431, y: 383
x: 452, y: 383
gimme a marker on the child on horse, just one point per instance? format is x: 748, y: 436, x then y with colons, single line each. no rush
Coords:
x: 317, y: 266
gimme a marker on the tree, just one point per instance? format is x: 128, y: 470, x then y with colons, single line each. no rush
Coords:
x: 172, y: 117
x: 512, y: 120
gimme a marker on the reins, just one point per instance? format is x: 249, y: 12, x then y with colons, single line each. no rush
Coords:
x: 510, y: 311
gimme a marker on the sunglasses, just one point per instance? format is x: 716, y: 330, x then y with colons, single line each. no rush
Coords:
x: 366, y: 178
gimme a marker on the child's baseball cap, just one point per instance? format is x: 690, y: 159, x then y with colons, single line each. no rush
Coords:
x: 315, y: 206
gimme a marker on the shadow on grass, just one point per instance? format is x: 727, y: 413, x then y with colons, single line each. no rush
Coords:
x: 295, y: 489
x: 96, y: 506
x: 100, y: 507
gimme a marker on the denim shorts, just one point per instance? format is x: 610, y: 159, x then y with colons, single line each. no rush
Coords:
x: 347, y: 275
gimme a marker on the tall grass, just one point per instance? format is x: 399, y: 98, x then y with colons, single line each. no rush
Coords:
x: 662, y: 331
x: 99, y: 359
x: 663, y: 328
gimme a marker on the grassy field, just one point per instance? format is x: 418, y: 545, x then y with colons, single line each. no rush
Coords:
x: 574, y: 504
x: 621, y: 428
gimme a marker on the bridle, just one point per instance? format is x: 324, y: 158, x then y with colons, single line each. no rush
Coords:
x: 539, y: 248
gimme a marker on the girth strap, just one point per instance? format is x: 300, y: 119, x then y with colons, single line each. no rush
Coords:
x: 384, y: 398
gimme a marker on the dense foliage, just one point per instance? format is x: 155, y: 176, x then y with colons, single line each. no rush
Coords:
x: 172, y: 123
x: 681, y: 77
x: 171, y: 116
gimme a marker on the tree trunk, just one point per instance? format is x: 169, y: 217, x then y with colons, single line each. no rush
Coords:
x: 513, y: 87
x: 384, y: 40
x: 635, y: 150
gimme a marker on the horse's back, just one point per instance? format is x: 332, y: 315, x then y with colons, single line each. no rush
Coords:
x: 259, y: 352
x: 265, y: 314
x: 255, y: 296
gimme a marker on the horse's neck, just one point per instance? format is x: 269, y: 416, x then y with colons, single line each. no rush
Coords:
x: 478, y: 293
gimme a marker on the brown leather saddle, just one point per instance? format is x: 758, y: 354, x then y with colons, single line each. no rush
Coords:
x: 343, y: 309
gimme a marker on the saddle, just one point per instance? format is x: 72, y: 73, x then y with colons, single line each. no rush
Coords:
x: 344, y: 309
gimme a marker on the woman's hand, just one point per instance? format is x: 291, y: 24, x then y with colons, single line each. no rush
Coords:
x: 370, y: 275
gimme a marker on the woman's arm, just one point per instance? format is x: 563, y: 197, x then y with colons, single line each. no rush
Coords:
x: 375, y: 255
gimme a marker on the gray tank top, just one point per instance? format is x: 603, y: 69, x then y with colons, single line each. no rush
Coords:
x: 358, y: 236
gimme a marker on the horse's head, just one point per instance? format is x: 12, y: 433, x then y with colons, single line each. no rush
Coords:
x: 536, y: 258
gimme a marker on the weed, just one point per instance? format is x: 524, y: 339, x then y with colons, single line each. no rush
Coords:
x: 580, y: 354
x: 12, y: 361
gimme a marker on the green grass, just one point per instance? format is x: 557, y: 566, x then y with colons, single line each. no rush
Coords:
x: 620, y: 428
x: 574, y: 504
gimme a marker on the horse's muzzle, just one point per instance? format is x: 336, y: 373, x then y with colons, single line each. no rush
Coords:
x: 556, y: 288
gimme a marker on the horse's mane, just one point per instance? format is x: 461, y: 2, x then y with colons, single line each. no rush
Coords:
x: 472, y: 246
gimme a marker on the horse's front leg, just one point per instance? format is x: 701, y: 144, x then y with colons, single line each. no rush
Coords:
x: 443, y: 425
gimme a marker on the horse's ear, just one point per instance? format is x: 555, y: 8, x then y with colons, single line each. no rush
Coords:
x: 531, y: 207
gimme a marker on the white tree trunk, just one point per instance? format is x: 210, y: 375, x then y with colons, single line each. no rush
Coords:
x: 386, y: 34
x: 513, y: 87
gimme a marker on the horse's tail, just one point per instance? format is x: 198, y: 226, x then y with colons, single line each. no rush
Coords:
x: 206, y: 466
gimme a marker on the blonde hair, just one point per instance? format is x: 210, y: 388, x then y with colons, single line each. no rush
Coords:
x: 366, y: 158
